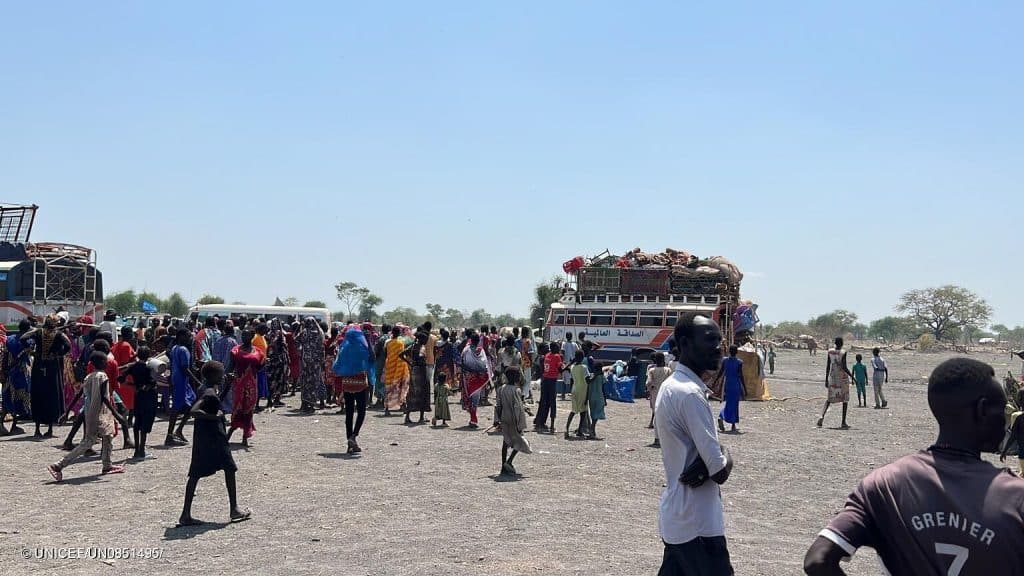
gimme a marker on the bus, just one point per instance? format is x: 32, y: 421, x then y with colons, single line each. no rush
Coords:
x: 621, y: 323
x: 283, y: 313
x: 40, y: 278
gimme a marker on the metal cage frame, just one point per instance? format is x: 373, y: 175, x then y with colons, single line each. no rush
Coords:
x: 63, y: 273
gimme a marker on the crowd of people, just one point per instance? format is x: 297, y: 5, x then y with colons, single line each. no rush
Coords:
x: 113, y: 381
x: 110, y: 381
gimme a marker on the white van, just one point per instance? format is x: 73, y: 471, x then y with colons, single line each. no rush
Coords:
x: 282, y: 313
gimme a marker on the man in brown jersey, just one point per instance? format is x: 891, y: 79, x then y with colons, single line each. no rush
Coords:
x: 943, y: 511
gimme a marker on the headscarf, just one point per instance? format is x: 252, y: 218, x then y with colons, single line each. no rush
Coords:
x: 371, y: 334
x: 354, y: 355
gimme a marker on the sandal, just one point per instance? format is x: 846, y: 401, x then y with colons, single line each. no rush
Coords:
x: 55, y: 472
x: 188, y: 522
x: 242, y: 516
x: 115, y: 469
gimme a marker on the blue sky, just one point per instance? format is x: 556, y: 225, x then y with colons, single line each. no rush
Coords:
x: 459, y: 152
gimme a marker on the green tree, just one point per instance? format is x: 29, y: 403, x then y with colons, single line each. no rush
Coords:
x: 314, y: 304
x: 290, y: 301
x: 176, y: 305
x: 435, y: 312
x: 505, y: 320
x: 403, y: 314
x: 835, y: 323
x: 368, y: 308
x: 545, y: 294
x: 354, y: 296
x: 209, y: 299
x: 790, y: 328
x: 1015, y: 336
x: 945, y: 311
x: 125, y: 302
x: 479, y: 317
x: 894, y: 329
x: 454, y: 318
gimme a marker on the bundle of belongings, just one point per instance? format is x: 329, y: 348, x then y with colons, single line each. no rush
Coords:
x: 683, y: 264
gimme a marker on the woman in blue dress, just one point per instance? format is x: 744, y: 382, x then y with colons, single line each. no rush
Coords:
x: 735, y: 389
x: 17, y: 389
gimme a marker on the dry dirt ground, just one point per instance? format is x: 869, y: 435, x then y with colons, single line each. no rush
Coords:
x: 428, y: 501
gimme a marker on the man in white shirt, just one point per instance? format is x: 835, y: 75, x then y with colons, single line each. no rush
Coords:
x: 691, y: 519
x: 879, y: 377
x: 109, y: 323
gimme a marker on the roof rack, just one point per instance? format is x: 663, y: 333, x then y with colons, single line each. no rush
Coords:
x: 16, y: 222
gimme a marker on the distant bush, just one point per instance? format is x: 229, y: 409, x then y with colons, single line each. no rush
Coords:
x: 926, y: 342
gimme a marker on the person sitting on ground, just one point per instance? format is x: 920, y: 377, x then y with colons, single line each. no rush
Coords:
x: 944, y: 510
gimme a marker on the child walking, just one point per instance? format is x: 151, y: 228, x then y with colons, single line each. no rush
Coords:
x: 99, y: 420
x: 511, y: 415
x: 210, y: 451
x: 860, y: 378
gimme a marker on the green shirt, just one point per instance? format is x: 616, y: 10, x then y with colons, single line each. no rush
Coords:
x: 860, y: 373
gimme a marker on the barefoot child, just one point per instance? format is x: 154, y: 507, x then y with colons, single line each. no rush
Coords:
x: 581, y: 377
x: 441, y: 410
x: 99, y: 420
x: 210, y: 454
x: 512, y: 418
x: 144, y: 376
x: 182, y: 394
x: 860, y: 378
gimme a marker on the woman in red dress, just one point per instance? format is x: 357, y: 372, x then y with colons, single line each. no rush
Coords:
x: 246, y: 360
x: 334, y: 387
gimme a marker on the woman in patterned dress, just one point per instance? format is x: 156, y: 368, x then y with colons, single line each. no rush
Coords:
x: 837, y: 381
x: 277, y: 364
x: 47, y: 390
x: 396, y: 373
x: 418, y: 397
x: 311, y: 380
